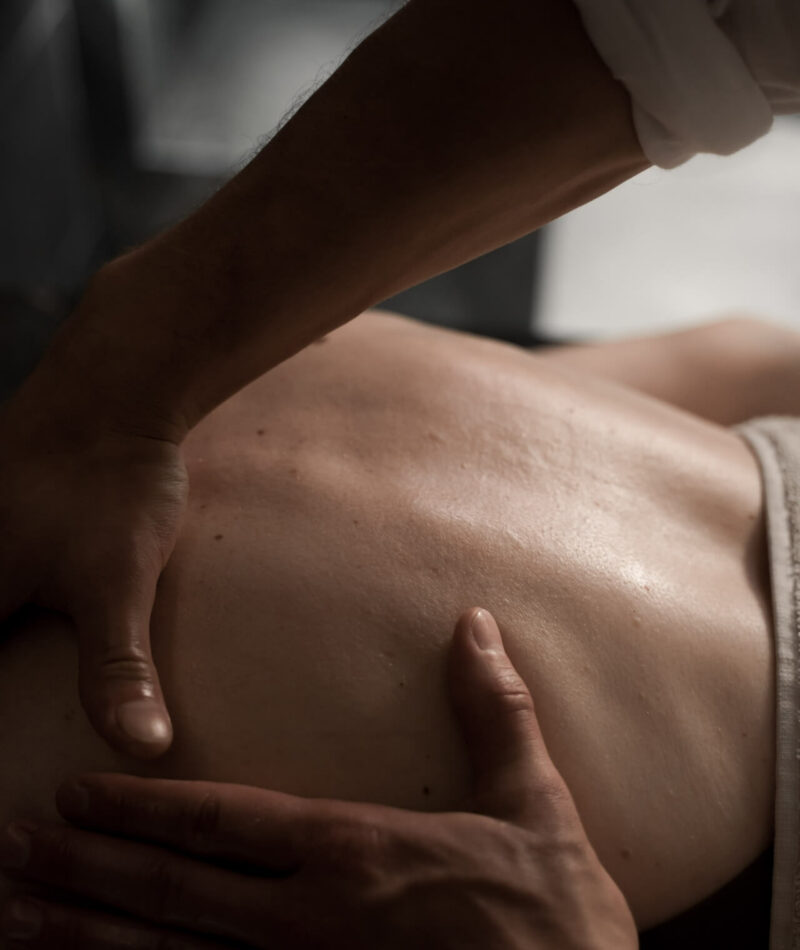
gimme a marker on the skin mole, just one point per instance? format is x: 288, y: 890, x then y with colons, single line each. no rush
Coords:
x: 218, y: 537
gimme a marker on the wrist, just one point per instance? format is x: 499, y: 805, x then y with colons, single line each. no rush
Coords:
x: 97, y: 378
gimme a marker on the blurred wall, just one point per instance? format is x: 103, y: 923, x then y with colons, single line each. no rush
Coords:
x: 123, y: 115
x: 49, y: 206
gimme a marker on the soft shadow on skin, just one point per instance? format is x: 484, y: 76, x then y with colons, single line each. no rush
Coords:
x: 738, y: 915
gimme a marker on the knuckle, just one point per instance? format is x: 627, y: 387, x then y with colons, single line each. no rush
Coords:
x: 123, y: 663
x: 128, y: 813
x: 201, y: 821
x: 353, y: 846
x: 166, y: 887
x: 511, y: 693
x: 61, y: 857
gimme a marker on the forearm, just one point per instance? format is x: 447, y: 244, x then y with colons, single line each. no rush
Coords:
x: 727, y: 371
x: 453, y: 129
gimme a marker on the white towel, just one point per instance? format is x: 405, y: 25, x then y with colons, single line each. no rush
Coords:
x: 704, y: 75
x: 775, y: 441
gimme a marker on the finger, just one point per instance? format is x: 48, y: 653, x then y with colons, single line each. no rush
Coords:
x: 44, y: 924
x: 241, y: 825
x: 510, y: 762
x: 118, y: 681
x: 147, y: 882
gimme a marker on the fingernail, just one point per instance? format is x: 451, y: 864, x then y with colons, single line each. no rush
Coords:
x: 143, y: 721
x: 484, y: 631
x: 74, y: 798
x: 15, y: 846
x: 22, y: 920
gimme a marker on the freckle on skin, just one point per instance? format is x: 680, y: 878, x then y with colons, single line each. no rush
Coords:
x: 425, y: 790
x: 217, y: 537
x: 259, y: 431
x: 626, y: 853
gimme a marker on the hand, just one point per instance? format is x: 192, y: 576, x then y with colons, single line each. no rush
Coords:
x: 273, y: 870
x: 89, y: 521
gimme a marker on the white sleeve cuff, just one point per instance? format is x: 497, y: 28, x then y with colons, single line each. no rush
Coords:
x: 692, y: 89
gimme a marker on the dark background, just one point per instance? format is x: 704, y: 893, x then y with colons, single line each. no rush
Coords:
x: 78, y: 82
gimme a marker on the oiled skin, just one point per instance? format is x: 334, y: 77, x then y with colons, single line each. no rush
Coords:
x: 349, y: 504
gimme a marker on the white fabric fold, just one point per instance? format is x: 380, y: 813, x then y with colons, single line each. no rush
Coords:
x: 704, y: 75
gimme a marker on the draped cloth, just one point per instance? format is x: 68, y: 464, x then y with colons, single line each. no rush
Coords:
x: 703, y: 75
x: 775, y: 440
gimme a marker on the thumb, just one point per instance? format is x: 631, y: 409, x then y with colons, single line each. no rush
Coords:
x: 118, y: 682
x: 510, y: 762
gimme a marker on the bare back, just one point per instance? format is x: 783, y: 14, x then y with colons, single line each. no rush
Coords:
x: 348, y: 505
